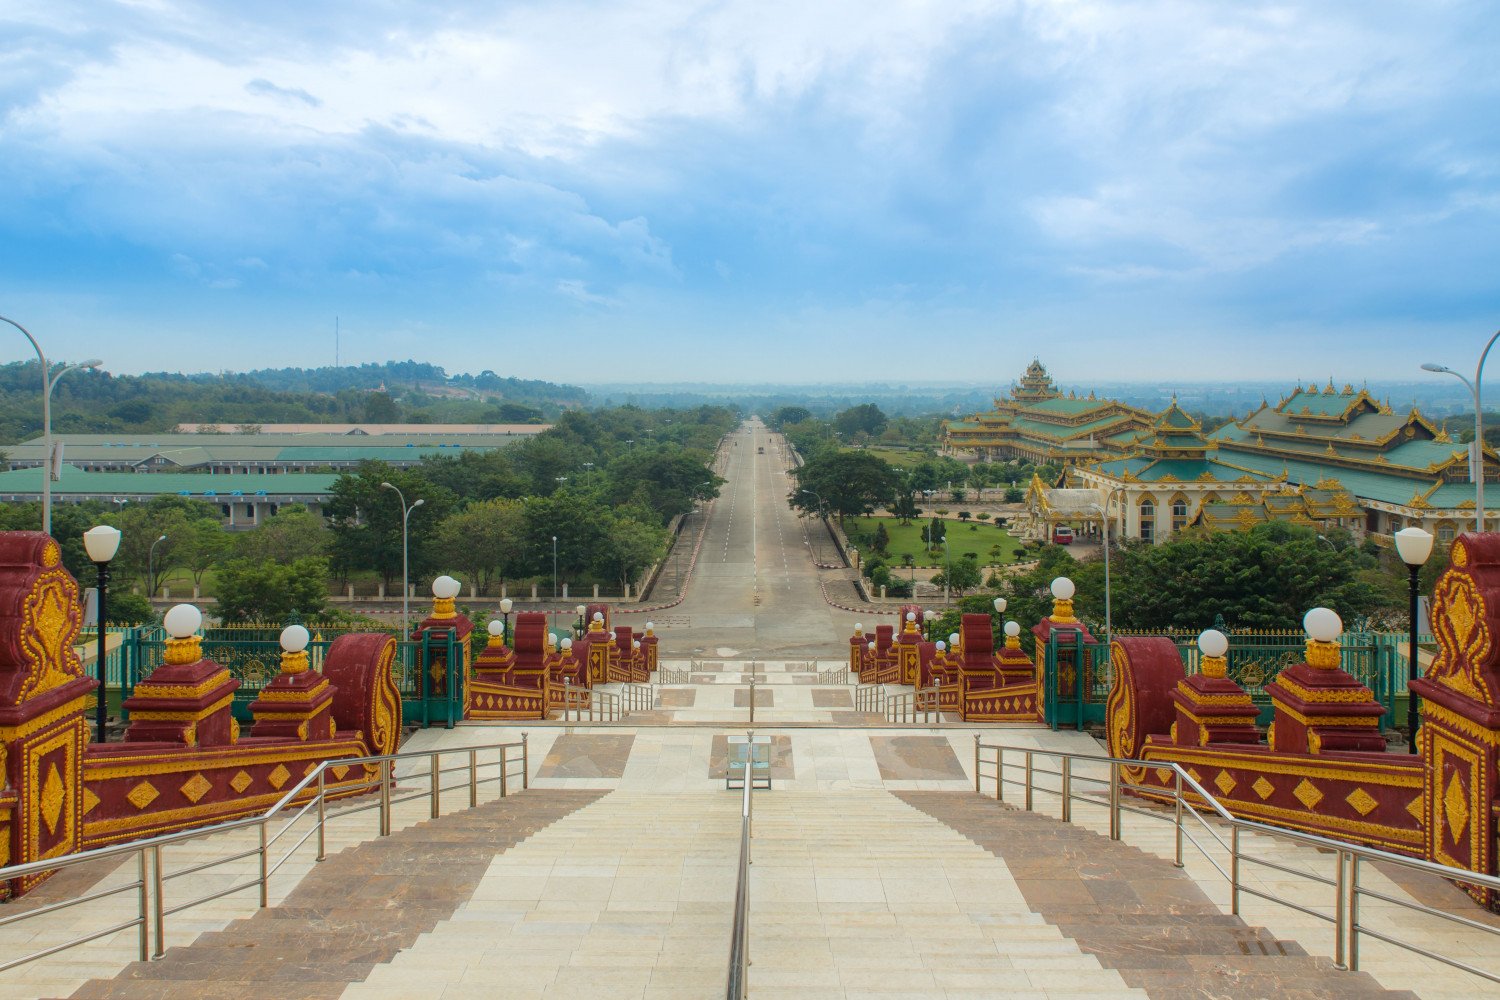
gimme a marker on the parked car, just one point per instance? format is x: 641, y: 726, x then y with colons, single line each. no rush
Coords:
x: 1062, y: 535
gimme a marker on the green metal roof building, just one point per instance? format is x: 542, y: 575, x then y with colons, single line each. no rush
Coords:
x: 243, y: 501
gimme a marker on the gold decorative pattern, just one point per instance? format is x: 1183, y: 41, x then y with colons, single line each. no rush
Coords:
x: 1361, y: 801
x: 52, y: 798
x: 90, y: 800
x: 196, y: 787
x: 1415, y: 808
x: 240, y: 781
x: 1307, y: 793
x: 50, y: 621
x: 1456, y: 809
x: 1263, y: 788
x: 1225, y: 782
x: 142, y: 795
x: 278, y: 777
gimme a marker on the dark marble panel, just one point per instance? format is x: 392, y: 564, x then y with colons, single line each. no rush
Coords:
x: 916, y: 758
x: 832, y: 698
x: 594, y: 756
x: 781, y: 757
x: 764, y: 697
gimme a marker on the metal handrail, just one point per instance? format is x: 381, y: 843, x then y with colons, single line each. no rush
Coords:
x: 905, y: 706
x: 1348, y: 858
x: 739, y: 935
x: 869, y: 697
x: 637, y: 697
x: 152, y: 909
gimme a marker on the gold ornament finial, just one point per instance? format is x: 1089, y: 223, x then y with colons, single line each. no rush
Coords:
x: 1322, y: 655
x: 1012, y: 642
x: 1062, y: 609
x: 185, y: 650
x: 294, y: 663
x: 444, y: 607
x: 1214, y: 666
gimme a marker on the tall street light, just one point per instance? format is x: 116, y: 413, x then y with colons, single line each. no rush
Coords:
x: 1413, y: 545
x: 101, y: 542
x: 554, y: 567
x: 48, y: 383
x: 1103, y: 510
x: 405, y: 586
x: 151, y: 567
x: 1476, y: 463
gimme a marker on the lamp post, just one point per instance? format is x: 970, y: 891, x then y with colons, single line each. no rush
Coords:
x: 49, y: 382
x: 554, y: 567
x: 101, y: 542
x: 928, y: 617
x: 1414, y: 546
x: 1103, y: 510
x: 1477, y: 463
x: 947, y: 568
x: 151, y: 568
x: 405, y: 563
x: 578, y: 629
x: 505, y: 605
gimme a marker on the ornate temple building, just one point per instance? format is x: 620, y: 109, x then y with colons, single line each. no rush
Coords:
x: 1039, y: 424
x: 1402, y: 470
x: 1326, y: 458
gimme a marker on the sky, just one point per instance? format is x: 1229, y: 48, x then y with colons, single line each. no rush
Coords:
x: 814, y: 190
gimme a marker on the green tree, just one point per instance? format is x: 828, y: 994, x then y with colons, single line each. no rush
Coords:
x: 865, y: 419
x: 849, y: 483
x: 292, y: 533
x: 904, y: 508
x: 882, y: 540
x: 962, y: 576
x: 204, y: 545
x: 483, y: 540
x: 628, y: 548
x: 666, y: 479
x: 365, y: 519
x: 250, y: 591
x: 785, y: 415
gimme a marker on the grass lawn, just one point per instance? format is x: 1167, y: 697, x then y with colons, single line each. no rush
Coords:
x: 907, y: 538
x: 899, y: 457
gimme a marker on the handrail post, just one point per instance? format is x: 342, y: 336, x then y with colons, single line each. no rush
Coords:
x: 1067, y: 789
x: 157, y: 904
x: 322, y: 818
x: 976, y: 763
x: 1114, y: 800
x: 525, y: 764
x: 1352, y: 905
x: 145, y: 929
x: 386, y: 767
x: 473, y: 778
x: 1177, y: 818
x: 999, y: 774
x: 437, y: 785
x: 1028, y: 780
x: 265, y: 874
x: 1340, y: 916
x: 1234, y: 869
x: 504, y: 767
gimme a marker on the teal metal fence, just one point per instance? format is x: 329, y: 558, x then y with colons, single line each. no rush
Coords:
x: 1254, y: 661
x: 431, y: 693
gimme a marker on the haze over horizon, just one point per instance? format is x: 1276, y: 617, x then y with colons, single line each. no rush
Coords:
x: 692, y: 192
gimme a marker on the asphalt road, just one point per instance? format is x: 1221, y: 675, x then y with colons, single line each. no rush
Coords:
x: 755, y: 591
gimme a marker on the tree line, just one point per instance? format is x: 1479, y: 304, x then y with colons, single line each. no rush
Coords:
x: 606, y: 484
x: 89, y: 401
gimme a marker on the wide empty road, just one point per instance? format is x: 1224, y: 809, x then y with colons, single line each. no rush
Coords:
x: 755, y: 590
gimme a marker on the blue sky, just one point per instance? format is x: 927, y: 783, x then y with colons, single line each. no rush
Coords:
x: 777, y: 190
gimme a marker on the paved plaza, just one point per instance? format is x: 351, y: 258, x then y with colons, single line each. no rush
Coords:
x: 877, y: 871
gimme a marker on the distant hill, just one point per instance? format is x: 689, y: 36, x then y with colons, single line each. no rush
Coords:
x: 397, y: 392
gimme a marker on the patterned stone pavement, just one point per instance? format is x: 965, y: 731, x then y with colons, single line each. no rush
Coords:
x: 354, y: 911
x: 1136, y: 914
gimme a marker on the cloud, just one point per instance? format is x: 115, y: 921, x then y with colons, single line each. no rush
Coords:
x: 976, y: 164
x: 265, y: 88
